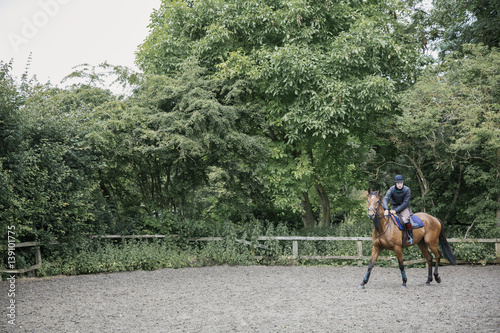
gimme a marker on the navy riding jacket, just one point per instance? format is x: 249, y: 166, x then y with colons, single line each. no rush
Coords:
x: 400, y: 198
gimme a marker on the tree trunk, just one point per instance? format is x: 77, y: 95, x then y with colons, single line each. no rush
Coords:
x: 325, y: 205
x: 424, y: 185
x: 498, y: 212
x: 307, y: 213
x: 455, y: 197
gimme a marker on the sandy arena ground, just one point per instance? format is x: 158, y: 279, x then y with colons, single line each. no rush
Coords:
x: 259, y: 299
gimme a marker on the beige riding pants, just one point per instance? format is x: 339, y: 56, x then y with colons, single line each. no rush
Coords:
x: 405, y: 214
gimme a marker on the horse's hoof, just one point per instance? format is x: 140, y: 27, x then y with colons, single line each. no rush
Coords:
x: 438, y: 279
x: 361, y: 287
x: 403, y: 287
x: 427, y: 284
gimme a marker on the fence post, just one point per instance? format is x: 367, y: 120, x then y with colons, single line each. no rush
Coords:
x: 360, y: 252
x: 295, y: 248
x: 38, y: 257
x: 360, y: 248
x: 497, y: 249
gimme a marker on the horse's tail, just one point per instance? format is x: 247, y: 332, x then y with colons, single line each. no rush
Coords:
x: 445, y: 246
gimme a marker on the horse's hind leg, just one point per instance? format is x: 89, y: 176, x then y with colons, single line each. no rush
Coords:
x: 399, y: 255
x: 435, y: 250
x: 428, y: 258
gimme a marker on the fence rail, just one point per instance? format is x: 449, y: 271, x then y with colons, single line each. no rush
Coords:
x: 295, y: 247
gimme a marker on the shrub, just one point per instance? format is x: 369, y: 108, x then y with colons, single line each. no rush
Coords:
x: 473, y: 253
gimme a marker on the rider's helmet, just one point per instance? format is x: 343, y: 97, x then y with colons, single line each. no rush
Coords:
x: 399, y: 179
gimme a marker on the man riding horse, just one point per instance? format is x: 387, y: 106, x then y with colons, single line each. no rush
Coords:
x: 400, y: 195
x: 386, y: 236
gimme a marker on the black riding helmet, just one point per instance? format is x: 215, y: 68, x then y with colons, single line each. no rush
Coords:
x: 399, y: 179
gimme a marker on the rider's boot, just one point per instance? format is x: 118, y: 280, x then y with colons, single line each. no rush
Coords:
x: 409, y: 227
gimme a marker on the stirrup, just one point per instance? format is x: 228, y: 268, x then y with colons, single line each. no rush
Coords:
x: 410, y: 239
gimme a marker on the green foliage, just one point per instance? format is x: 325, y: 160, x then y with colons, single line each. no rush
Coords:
x: 472, y: 252
x: 250, y: 111
x: 9, y: 123
x: 459, y: 22
x: 239, y: 246
x: 53, y: 167
x: 448, y: 138
x: 179, y: 150
x: 105, y: 256
x: 98, y: 256
x: 317, y: 73
x: 10, y: 101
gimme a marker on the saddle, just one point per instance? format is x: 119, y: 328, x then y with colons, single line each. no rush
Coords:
x: 416, y: 223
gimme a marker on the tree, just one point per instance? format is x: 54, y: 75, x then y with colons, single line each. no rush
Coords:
x: 459, y: 22
x: 47, y: 166
x: 448, y: 134
x: 165, y: 143
x: 10, y: 102
x: 320, y: 73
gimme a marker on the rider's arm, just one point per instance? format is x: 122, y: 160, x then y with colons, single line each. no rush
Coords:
x: 387, y: 198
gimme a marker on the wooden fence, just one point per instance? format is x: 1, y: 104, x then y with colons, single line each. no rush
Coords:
x: 295, y: 247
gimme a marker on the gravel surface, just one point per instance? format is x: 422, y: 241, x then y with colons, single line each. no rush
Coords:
x: 258, y: 299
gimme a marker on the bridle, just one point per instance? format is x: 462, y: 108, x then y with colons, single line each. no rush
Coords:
x: 375, y: 210
x: 375, y: 215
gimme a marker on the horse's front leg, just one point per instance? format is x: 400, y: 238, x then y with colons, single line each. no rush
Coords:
x: 375, y: 253
x: 399, y: 255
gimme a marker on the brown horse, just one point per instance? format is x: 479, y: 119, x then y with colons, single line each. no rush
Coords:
x: 386, y: 235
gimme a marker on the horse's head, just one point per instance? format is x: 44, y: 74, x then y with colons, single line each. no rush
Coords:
x: 374, y: 202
